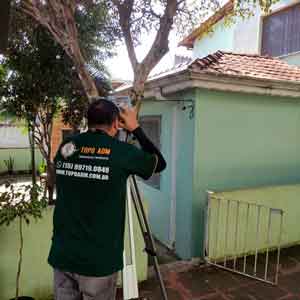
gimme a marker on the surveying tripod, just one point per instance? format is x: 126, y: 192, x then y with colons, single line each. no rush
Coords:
x: 130, y: 285
x: 130, y: 288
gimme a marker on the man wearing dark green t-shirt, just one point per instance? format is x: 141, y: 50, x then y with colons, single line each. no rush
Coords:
x: 91, y: 174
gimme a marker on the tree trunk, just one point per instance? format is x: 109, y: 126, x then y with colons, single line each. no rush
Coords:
x: 58, y: 18
x: 85, y: 77
x: 50, y: 183
x: 20, y: 257
x: 32, y: 151
x: 137, y: 92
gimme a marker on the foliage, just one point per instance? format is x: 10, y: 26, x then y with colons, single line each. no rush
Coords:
x: 42, y: 167
x: 9, y: 163
x: 3, y: 73
x: 42, y: 80
x: 21, y: 202
x: 82, y: 29
x: 132, y: 18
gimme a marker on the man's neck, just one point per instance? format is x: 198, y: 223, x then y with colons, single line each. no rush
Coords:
x: 104, y: 129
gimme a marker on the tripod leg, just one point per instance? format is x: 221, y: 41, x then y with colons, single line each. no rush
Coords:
x: 129, y: 274
x: 145, y: 228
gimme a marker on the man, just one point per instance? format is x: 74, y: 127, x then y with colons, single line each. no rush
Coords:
x: 91, y: 173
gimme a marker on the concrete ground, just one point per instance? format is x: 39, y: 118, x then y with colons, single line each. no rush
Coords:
x: 187, y: 281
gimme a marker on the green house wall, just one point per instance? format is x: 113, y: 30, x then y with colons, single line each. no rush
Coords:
x: 220, y: 38
x: 177, y: 136
x: 242, y: 141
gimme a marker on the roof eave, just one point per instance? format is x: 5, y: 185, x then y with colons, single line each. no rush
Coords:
x: 206, y: 25
x: 186, y: 81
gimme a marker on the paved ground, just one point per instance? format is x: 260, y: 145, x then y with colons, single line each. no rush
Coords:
x: 205, y: 282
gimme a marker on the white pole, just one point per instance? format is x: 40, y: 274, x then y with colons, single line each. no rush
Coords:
x: 130, y: 282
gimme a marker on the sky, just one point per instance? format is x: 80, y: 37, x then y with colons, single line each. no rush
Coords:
x: 120, y: 68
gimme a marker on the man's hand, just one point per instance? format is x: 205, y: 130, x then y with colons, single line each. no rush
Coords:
x: 128, y: 119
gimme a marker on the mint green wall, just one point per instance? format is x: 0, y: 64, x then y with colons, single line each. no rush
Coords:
x: 285, y: 197
x: 160, y: 200
x: 21, y: 159
x: 36, y: 278
x: 293, y: 59
x: 177, y: 125
x: 184, y: 179
x: 242, y: 141
x: 221, y: 38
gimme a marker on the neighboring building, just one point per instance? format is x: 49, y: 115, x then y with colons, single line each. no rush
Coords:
x: 223, y: 122
x: 59, y: 132
x: 14, y: 144
x: 276, y: 34
x: 13, y: 136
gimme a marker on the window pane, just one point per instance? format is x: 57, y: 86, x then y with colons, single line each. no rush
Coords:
x: 281, y: 34
x: 152, y: 127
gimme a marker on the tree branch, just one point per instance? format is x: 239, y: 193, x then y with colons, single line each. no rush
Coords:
x: 58, y: 17
x: 125, y: 11
x: 160, y: 45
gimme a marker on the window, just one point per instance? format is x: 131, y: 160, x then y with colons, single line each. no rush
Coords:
x: 281, y: 34
x: 152, y: 127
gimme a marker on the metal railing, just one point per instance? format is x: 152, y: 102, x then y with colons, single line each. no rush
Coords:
x: 243, y: 237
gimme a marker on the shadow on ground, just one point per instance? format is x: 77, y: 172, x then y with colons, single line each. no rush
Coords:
x: 201, y: 282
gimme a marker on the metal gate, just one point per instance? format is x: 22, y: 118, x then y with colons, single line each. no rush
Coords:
x: 243, y: 237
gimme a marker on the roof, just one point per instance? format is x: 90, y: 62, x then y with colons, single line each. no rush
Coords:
x: 246, y: 65
x: 206, y: 25
x: 229, y: 68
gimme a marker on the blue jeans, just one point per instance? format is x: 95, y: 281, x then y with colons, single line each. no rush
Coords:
x: 71, y: 286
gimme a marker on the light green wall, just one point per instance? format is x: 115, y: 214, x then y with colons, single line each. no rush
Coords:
x: 36, y: 280
x: 160, y: 200
x: 242, y: 141
x: 21, y: 158
x: 293, y: 59
x: 221, y: 38
x: 177, y: 125
x: 284, y: 197
x: 36, y: 277
x: 184, y: 180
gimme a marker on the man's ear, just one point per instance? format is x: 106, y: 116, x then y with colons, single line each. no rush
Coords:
x: 115, y: 124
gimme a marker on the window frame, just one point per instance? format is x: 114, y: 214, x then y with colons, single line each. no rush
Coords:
x: 261, y: 30
x: 150, y: 182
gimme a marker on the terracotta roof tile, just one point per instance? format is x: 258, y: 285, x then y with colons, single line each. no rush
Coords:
x: 243, y: 65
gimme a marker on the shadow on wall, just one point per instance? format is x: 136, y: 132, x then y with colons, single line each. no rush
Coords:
x: 36, y: 277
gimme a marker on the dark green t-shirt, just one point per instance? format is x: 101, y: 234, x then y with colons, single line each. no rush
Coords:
x: 91, y: 174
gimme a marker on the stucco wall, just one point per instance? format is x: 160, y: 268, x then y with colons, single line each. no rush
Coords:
x: 221, y: 38
x: 247, y: 33
x: 292, y: 59
x: 173, y: 200
x: 242, y: 36
x: 245, y: 240
x: 242, y: 141
x: 37, y: 278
